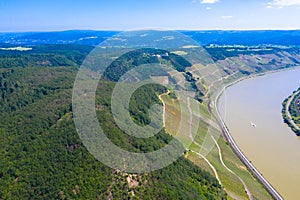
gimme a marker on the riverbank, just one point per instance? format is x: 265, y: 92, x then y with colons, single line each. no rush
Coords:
x: 249, y: 77
x: 233, y: 144
x: 227, y: 136
x: 270, y: 146
x: 288, y: 117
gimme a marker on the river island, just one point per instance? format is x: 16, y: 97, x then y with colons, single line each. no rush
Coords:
x: 291, y: 111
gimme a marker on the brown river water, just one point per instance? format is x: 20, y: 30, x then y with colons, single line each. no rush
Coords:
x: 271, y: 146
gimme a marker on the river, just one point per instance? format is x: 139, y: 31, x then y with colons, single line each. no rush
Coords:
x: 271, y: 146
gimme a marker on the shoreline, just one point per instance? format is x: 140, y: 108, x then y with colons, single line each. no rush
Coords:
x: 227, y: 136
x: 287, y: 115
x: 252, y: 76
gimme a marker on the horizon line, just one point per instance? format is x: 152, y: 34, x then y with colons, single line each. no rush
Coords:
x: 124, y: 30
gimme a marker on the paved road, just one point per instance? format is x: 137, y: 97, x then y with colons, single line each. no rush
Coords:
x: 288, y: 104
x: 240, y: 154
x: 297, y: 106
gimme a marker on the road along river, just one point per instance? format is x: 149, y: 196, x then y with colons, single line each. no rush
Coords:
x: 253, y: 118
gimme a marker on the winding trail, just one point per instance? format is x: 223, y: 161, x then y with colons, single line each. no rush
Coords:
x: 192, y: 138
x: 232, y: 172
x: 164, y: 105
x: 220, y: 154
x: 211, y: 166
x: 198, y: 153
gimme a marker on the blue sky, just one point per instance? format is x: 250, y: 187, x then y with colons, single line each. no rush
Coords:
x: 43, y: 15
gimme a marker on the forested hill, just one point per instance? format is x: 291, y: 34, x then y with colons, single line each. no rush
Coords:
x: 93, y: 38
x: 42, y: 156
x: 44, y: 55
x: 248, y: 38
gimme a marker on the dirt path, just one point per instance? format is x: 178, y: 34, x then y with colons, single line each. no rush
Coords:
x: 203, y: 157
x: 221, y: 159
x: 216, y: 143
x: 211, y: 166
x: 164, y: 105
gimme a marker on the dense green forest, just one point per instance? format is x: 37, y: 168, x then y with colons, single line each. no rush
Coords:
x: 42, y: 156
x: 293, y: 109
x: 45, y: 55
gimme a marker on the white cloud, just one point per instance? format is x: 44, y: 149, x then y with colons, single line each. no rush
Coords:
x: 208, y: 8
x: 209, y: 1
x: 226, y: 17
x: 283, y: 3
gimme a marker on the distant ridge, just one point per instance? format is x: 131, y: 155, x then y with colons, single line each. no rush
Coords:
x: 220, y: 37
